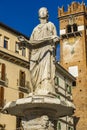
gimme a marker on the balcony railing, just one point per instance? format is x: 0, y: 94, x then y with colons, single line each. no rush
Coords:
x: 2, y: 103
x: 71, y: 34
x: 24, y: 88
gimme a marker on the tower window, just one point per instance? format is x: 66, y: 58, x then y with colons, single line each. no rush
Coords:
x: 69, y: 29
x: 74, y: 27
x: 73, y: 83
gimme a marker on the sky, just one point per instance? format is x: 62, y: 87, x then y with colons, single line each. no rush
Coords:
x: 22, y: 15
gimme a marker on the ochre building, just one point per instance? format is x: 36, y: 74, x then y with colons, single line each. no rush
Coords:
x: 73, y: 55
x: 14, y: 73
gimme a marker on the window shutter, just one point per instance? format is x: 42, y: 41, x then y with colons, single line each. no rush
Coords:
x: 59, y: 126
x: 1, y: 96
x: 22, y: 79
x: 3, y: 69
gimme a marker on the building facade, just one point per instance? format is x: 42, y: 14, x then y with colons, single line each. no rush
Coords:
x: 14, y: 73
x: 64, y: 83
x: 73, y: 55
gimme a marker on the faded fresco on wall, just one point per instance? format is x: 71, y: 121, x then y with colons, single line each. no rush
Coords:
x: 72, y: 49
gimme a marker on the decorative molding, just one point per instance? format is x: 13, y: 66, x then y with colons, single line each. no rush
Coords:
x: 14, y: 59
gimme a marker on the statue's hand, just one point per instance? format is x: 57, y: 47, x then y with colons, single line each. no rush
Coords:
x: 55, y: 39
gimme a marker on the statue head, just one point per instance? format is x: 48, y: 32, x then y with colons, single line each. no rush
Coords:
x: 43, y: 13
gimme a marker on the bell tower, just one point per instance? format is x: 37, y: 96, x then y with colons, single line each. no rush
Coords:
x: 73, y: 55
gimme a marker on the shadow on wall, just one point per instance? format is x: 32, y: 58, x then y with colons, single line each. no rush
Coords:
x: 76, y: 120
x: 2, y: 127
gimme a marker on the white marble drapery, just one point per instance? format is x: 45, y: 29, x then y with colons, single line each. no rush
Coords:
x: 41, y: 61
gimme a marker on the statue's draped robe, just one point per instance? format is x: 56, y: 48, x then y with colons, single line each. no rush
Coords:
x: 41, y: 61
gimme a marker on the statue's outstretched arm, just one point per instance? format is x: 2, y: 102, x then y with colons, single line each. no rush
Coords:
x: 39, y: 43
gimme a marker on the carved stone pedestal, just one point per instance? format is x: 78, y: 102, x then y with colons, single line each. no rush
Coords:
x: 39, y: 112
x: 38, y: 123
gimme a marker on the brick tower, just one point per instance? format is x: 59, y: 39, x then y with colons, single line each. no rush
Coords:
x: 73, y: 55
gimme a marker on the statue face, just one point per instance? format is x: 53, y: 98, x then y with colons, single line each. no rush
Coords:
x: 43, y: 13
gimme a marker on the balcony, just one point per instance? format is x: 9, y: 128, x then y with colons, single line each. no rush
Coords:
x: 71, y: 34
x: 23, y: 88
x: 3, y: 80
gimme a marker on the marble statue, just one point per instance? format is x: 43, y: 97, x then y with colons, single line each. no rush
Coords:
x: 41, y: 61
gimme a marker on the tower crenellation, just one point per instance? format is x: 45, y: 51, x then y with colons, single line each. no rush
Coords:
x: 72, y: 8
